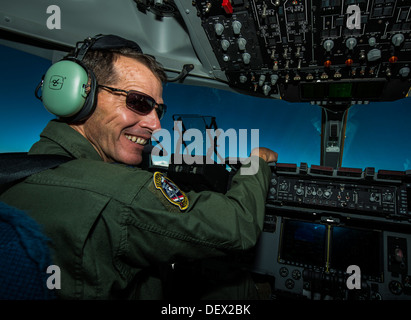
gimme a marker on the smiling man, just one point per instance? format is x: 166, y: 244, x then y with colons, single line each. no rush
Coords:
x: 116, y: 130
x: 116, y: 229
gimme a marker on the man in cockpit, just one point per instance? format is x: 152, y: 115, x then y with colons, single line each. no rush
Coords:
x: 115, y: 230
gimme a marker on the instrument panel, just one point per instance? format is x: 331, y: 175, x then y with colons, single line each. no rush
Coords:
x: 350, y: 190
x: 320, y: 222
x: 324, y: 51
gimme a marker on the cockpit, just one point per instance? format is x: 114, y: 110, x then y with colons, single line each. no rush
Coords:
x: 325, y: 83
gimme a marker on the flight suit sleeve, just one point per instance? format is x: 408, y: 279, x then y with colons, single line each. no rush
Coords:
x: 211, y: 224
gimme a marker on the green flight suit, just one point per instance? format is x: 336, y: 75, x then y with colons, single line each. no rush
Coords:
x: 113, y: 231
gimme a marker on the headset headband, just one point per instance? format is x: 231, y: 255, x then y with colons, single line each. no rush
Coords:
x: 103, y: 42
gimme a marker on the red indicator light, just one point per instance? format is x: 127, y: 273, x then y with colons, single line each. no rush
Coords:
x: 327, y: 63
x: 349, y: 62
x: 393, y: 59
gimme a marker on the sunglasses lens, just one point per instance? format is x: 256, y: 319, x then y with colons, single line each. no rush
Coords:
x: 144, y: 104
x: 139, y: 103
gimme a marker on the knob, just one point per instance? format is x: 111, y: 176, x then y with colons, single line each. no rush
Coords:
x: 246, y: 58
x: 243, y: 79
x: 404, y: 72
x: 219, y: 28
x: 225, y: 44
x: 328, y: 45
x: 374, y: 55
x: 351, y: 43
x: 274, y: 79
x: 236, y: 26
x: 372, y: 41
x: 241, y: 44
x: 261, y: 80
x: 266, y: 89
x: 397, y: 39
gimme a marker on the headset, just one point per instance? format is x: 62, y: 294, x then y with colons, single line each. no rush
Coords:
x: 69, y: 88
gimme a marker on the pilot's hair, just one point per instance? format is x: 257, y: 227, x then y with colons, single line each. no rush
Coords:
x: 101, y: 62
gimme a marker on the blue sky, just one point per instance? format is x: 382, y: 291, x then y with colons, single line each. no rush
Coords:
x: 378, y: 135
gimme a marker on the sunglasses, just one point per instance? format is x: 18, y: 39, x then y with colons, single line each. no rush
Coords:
x: 140, y: 102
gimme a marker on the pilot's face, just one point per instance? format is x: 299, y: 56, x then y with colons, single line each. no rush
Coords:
x: 116, y: 132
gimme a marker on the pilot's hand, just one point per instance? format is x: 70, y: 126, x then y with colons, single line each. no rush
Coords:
x: 265, y: 153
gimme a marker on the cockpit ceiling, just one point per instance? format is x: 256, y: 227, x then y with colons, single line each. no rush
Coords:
x: 327, y: 52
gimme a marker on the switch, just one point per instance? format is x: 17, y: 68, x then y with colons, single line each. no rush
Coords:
x: 236, y: 26
x: 225, y: 44
x: 404, y: 72
x: 397, y: 39
x: 241, y: 44
x: 372, y: 41
x: 228, y: 8
x: 246, y: 58
x: 266, y: 89
x: 219, y: 28
x: 328, y: 45
x: 351, y: 43
x: 274, y: 79
x: 374, y: 55
x: 261, y: 80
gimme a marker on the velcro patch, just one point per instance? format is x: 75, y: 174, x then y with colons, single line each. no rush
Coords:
x: 170, y: 191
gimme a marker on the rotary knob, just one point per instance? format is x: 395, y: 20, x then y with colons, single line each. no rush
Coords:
x: 246, y: 58
x: 283, y: 186
x: 327, y: 194
x: 225, y: 44
x: 266, y: 89
x: 236, y: 26
x: 374, y: 55
x: 218, y: 28
x: 241, y: 44
x: 404, y: 72
x: 397, y: 39
x: 351, y: 43
x: 328, y: 45
x: 299, y: 191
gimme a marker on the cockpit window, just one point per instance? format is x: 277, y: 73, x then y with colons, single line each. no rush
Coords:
x: 377, y: 134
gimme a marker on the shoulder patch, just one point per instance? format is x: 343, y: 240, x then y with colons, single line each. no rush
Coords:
x: 170, y: 191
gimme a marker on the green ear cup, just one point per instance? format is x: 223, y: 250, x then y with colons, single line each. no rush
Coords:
x: 64, y: 88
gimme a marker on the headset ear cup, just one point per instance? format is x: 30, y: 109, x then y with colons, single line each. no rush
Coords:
x: 90, y: 102
x: 64, y: 88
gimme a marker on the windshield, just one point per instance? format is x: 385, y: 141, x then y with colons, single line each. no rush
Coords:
x: 377, y: 135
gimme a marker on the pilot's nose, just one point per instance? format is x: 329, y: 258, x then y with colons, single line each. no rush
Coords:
x: 151, y: 121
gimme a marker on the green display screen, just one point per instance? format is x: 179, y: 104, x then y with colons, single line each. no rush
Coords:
x: 339, y: 90
x: 342, y: 90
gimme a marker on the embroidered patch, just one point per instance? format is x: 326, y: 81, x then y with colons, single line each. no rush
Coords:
x: 170, y: 191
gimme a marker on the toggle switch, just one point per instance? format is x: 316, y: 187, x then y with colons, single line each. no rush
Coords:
x: 228, y: 8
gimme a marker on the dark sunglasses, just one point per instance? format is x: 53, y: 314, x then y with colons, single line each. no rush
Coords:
x: 140, y: 102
